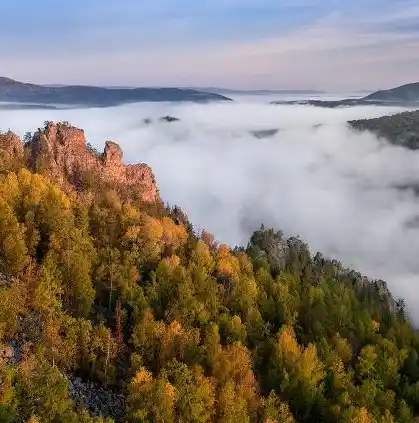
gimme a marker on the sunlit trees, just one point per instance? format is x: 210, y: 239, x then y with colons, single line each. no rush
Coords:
x: 129, y: 299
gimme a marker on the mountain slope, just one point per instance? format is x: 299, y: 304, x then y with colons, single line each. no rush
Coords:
x: 408, y: 93
x: 399, y: 129
x: 230, y: 91
x: 15, y: 91
x: 405, y: 95
x: 113, y: 307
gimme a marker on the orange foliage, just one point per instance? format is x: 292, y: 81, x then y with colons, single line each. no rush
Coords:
x: 142, y: 377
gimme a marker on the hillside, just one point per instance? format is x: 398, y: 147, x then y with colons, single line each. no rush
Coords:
x: 405, y: 96
x: 408, y: 93
x: 400, y: 129
x: 14, y: 91
x: 230, y: 91
x: 113, y: 308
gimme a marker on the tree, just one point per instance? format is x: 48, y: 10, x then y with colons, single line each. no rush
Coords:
x: 194, y: 393
x: 276, y: 411
x: 298, y: 373
x: 150, y: 399
x: 13, y: 251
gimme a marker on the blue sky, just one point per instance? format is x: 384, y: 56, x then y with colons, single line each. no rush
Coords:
x: 329, y: 44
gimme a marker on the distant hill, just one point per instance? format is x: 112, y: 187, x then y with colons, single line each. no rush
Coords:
x: 400, y: 129
x: 229, y: 91
x: 20, y: 92
x: 405, y: 95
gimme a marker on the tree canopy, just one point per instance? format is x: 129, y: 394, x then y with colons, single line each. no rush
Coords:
x: 175, y: 327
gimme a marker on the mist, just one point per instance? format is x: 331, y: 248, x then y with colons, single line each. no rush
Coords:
x: 316, y: 178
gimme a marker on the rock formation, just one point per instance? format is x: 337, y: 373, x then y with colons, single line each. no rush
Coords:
x: 62, y: 150
x: 11, y: 145
x: 98, y: 400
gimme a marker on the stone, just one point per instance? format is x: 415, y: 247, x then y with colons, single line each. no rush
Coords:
x: 63, y: 150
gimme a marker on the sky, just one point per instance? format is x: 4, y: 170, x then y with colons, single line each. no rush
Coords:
x: 332, y: 45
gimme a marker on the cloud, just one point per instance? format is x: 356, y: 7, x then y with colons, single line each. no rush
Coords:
x: 334, y: 188
x: 324, y: 45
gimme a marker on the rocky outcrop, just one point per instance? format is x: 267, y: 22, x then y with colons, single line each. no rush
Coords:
x: 62, y: 151
x: 9, y: 353
x: 96, y: 399
x: 11, y: 145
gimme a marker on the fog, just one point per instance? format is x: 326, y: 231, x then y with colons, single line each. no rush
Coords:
x: 333, y: 187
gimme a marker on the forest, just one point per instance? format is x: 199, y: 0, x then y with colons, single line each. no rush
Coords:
x: 112, y: 310
x: 399, y: 129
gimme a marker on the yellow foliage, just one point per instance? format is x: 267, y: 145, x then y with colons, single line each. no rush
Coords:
x: 285, y: 414
x: 302, y: 362
x: 245, y: 264
x: 202, y: 256
x: 227, y: 264
x: 231, y: 407
x: 361, y: 416
x: 169, y: 391
x: 153, y: 228
x: 287, y: 344
x: 223, y: 251
x: 172, y: 261
x: 174, y: 236
x: 174, y: 329
x: 340, y: 379
x: 10, y: 190
x: 235, y: 364
x: 154, y: 235
x: 226, y: 268
x: 174, y: 340
x: 59, y: 197
x: 132, y: 233
x: 311, y: 369
x: 30, y: 190
x: 157, y: 341
x: 151, y: 236
x: 343, y: 348
x: 112, y: 199
x: 366, y: 360
x: 130, y: 214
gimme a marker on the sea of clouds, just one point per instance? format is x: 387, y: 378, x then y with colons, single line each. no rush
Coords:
x: 316, y: 178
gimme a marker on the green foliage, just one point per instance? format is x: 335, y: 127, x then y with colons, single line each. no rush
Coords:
x: 96, y: 285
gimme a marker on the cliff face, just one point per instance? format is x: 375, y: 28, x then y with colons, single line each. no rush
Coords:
x: 62, y: 150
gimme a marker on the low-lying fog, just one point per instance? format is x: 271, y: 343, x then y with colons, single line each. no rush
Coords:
x: 334, y: 188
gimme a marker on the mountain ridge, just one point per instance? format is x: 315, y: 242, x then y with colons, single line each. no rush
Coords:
x: 93, y: 96
x: 404, y: 95
x: 61, y: 151
x: 407, y: 92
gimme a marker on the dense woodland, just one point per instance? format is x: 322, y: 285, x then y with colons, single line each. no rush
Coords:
x: 399, y: 129
x: 128, y: 299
